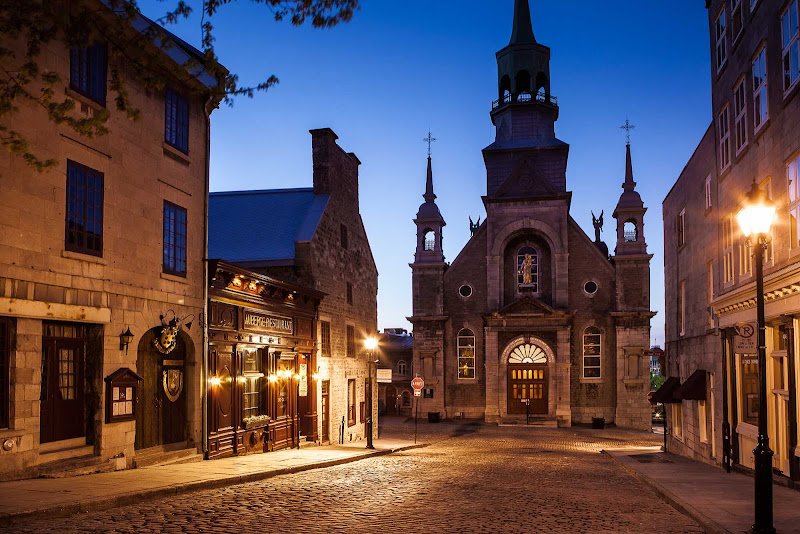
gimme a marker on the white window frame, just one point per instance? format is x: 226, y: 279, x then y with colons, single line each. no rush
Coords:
x: 401, y: 368
x: 745, y: 259
x: 593, y: 331
x: 737, y: 5
x: 702, y: 421
x: 721, y: 40
x: 790, y: 42
x: 710, y: 292
x: 707, y: 190
x: 724, y: 131
x: 793, y: 185
x: 740, y: 116
x: 760, y: 96
x: 682, y: 308
x: 466, y: 340
x: 727, y: 250
x: 680, y: 228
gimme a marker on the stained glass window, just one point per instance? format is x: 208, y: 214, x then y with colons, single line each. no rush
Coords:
x: 466, y: 354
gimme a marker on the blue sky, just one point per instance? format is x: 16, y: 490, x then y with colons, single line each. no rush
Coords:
x: 401, y: 67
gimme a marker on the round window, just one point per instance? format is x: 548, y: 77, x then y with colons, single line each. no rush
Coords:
x: 465, y: 291
x: 590, y: 287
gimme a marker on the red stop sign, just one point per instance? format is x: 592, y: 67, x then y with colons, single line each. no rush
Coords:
x: 418, y: 383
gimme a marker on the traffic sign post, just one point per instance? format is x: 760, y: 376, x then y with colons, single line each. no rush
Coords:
x: 418, y: 383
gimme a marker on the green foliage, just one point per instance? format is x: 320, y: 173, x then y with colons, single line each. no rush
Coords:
x: 656, y: 381
x: 33, y: 24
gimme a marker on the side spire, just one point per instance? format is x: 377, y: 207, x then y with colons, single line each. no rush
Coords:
x: 429, y: 195
x: 629, y: 184
x: 523, y: 29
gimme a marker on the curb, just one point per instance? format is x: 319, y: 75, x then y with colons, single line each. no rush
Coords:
x: 708, y: 525
x: 95, y: 505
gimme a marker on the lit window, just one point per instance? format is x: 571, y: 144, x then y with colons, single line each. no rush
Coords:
x: 766, y: 185
x: 737, y: 18
x: 727, y: 250
x: 677, y: 420
x: 791, y: 54
x: 253, y: 384
x: 761, y: 112
x: 740, y: 116
x: 724, y: 130
x: 748, y: 375
x: 745, y: 259
x: 794, y: 201
x: 325, y: 337
x: 592, y: 352
x: 721, y: 39
x: 680, y: 228
x: 466, y: 354
x: 351, y: 402
x: 709, y: 202
x: 528, y: 269
x: 702, y: 421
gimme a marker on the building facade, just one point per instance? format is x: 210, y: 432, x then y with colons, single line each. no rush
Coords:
x: 396, y: 352
x: 709, y: 268
x: 109, y: 242
x: 319, y: 243
x: 532, y: 318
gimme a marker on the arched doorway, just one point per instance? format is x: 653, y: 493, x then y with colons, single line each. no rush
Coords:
x: 527, y: 380
x: 161, y: 414
x: 391, y: 400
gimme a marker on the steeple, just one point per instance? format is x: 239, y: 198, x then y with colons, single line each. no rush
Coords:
x: 429, y: 222
x: 523, y: 30
x: 628, y: 184
x: 630, y: 211
x: 429, y: 195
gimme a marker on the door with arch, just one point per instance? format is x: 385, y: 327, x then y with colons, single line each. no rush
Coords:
x: 161, y: 413
x: 391, y: 400
x: 527, y: 380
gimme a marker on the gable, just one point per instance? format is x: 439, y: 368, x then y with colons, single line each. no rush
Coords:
x: 528, y: 306
x: 526, y: 180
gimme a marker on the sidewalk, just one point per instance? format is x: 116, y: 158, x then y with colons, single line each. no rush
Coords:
x: 63, y: 496
x: 718, y: 501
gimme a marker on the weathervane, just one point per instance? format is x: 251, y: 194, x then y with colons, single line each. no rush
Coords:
x: 430, y: 139
x: 627, y: 127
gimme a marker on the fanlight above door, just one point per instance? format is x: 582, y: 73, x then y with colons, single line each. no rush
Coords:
x: 527, y: 353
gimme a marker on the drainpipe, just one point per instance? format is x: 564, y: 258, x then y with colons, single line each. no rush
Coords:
x: 204, y: 322
x: 734, y: 407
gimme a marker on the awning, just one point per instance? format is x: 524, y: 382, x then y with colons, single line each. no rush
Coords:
x: 664, y: 394
x: 694, y: 388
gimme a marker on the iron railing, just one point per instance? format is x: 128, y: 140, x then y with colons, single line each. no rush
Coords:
x: 524, y: 98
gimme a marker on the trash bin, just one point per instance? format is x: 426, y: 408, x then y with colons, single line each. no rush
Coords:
x: 433, y: 417
x: 598, y: 423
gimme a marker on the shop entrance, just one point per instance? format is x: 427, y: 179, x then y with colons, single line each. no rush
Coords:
x: 63, y: 409
x: 161, y: 414
x: 326, y: 411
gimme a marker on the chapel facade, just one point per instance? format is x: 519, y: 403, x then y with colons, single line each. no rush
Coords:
x: 533, y: 321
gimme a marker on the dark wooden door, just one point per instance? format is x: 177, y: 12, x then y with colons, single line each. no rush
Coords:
x: 391, y: 400
x: 161, y: 414
x: 326, y: 410
x: 527, y: 383
x: 62, y: 390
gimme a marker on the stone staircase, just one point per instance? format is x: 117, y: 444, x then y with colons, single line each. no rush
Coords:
x: 70, y: 458
x: 533, y: 421
x: 177, y: 453
x: 304, y: 443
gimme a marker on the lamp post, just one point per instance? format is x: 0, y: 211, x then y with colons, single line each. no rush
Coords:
x: 370, y: 344
x: 755, y: 219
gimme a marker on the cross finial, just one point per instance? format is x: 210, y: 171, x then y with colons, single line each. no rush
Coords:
x: 430, y: 140
x: 627, y: 127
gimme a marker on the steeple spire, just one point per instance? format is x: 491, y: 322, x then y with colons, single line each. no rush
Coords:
x: 429, y: 195
x: 523, y: 30
x: 629, y: 184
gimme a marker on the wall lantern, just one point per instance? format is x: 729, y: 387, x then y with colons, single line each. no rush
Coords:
x: 125, y: 339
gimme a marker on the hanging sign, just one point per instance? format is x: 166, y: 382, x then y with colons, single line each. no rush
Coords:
x: 745, y: 340
x: 302, y: 386
x: 384, y: 376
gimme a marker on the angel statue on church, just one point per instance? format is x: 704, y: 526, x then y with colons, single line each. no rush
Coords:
x: 526, y: 270
x: 598, y: 226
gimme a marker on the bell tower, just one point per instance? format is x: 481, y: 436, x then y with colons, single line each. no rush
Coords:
x: 429, y: 223
x: 629, y: 214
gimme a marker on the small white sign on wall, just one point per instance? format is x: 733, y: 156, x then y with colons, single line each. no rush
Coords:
x: 384, y: 376
x: 746, y: 339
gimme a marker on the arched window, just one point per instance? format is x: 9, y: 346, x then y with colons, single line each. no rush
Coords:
x: 523, y: 83
x: 528, y: 269
x: 631, y: 231
x: 592, y: 352
x: 429, y: 240
x: 401, y: 367
x: 527, y: 353
x: 541, y: 82
x: 466, y: 354
x: 505, y: 89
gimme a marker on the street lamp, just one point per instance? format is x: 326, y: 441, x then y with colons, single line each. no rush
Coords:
x: 370, y: 344
x: 755, y: 219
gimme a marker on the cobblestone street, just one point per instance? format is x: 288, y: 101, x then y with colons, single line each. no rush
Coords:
x: 472, y: 478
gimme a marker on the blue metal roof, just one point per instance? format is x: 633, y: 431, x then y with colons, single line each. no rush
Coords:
x: 252, y: 226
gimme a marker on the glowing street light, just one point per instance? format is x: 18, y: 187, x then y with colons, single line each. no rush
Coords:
x: 370, y: 344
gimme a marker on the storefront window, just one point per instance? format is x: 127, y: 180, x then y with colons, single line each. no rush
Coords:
x: 748, y: 371
x: 252, y: 384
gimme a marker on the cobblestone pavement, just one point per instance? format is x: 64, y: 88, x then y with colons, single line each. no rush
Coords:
x: 473, y: 478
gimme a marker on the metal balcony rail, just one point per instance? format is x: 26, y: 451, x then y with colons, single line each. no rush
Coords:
x: 523, y: 98
x: 430, y: 244
x: 631, y: 236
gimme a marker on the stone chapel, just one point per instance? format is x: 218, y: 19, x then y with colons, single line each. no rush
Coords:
x: 532, y: 320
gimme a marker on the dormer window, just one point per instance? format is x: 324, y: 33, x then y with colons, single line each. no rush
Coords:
x: 528, y: 269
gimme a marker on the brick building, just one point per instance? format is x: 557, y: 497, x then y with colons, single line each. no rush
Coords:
x: 314, y: 237
x: 396, y: 352
x: 709, y: 268
x: 111, y: 240
x: 532, y: 316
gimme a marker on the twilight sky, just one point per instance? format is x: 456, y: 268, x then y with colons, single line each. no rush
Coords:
x: 401, y: 67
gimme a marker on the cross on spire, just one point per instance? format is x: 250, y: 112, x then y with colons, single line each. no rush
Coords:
x: 627, y: 127
x: 430, y: 140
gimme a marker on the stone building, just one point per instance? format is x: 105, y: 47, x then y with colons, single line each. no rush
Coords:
x: 709, y: 267
x: 532, y: 317
x: 396, y: 352
x: 314, y: 237
x: 112, y: 240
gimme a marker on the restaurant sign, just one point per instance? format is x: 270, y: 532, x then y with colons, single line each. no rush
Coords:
x: 268, y: 324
